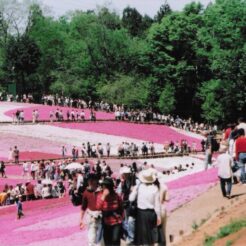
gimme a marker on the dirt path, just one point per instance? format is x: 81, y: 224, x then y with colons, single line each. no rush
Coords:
x: 208, y: 213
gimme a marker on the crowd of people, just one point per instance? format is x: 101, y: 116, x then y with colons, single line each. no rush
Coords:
x: 126, y: 149
x: 45, y: 181
x: 132, y: 204
x: 234, y: 142
x: 18, y: 117
x: 124, y: 206
x: 28, y: 191
x: 121, y: 112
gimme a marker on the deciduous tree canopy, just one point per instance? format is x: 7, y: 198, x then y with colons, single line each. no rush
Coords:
x: 191, y: 63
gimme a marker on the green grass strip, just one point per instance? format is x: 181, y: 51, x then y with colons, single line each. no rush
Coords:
x: 233, y: 227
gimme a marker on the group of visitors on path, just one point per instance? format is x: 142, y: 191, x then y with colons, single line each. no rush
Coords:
x: 131, y: 207
x: 231, y: 162
x: 121, y: 112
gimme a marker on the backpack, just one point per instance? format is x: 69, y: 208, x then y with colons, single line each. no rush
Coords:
x: 76, y: 198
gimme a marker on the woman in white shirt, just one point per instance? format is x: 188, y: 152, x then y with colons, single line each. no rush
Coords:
x: 46, y: 192
x: 148, y: 215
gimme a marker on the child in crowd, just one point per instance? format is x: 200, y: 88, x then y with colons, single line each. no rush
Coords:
x: 19, y: 207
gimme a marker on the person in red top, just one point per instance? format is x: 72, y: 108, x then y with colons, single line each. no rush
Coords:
x: 30, y: 191
x: 240, y: 149
x: 227, y: 132
x: 110, y: 203
x: 89, y: 201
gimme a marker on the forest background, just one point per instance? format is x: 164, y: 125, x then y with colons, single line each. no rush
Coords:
x: 190, y: 63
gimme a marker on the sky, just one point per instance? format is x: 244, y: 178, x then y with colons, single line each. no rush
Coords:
x: 149, y: 7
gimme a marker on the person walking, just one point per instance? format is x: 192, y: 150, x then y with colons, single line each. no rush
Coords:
x: 2, y: 169
x: 64, y: 151
x: 208, y: 151
x: 89, y: 205
x: 108, y: 148
x: 110, y: 203
x: 19, y: 207
x: 224, y: 163
x: 33, y: 169
x: 16, y: 154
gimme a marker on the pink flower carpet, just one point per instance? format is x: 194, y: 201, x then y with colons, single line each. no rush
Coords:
x: 44, y: 112
x: 153, y: 133
x: 30, y: 148
x: 56, y: 221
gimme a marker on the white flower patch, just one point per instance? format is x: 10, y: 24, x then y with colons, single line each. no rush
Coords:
x: 70, y: 136
x: 6, y: 106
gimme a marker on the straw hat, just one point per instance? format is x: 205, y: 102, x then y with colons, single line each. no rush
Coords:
x: 147, y: 176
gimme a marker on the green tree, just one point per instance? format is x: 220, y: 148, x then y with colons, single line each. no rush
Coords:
x: 164, y: 10
x: 109, y: 19
x: 22, y: 60
x: 132, y: 21
x: 211, y: 93
x: 130, y: 91
x: 175, y: 60
x: 146, y: 22
x: 223, y: 39
x: 167, y: 100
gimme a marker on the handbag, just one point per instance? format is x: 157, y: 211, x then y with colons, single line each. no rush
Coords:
x: 235, y: 167
x: 134, y: 205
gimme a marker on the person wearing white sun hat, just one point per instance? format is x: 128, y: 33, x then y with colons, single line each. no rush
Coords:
x: 148, y: 215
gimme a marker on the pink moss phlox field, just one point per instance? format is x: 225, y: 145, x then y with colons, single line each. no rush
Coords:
x: 48, y: 222
x: 153, y: 133
x: 181, y: 196
x: 30, y: 148
x: 200, y: 178
x: 34, y: 155
x: 14, y: 232
x: 44, y: 112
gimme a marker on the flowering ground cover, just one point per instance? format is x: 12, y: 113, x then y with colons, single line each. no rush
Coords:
x: 181, y: 196
x: 199, y: 178
x: 44, y: 112
x: 153, y: 133
x: 31, y: 148
x: 56, y: 222
x: 7, y: 106
x: 188, y: 187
